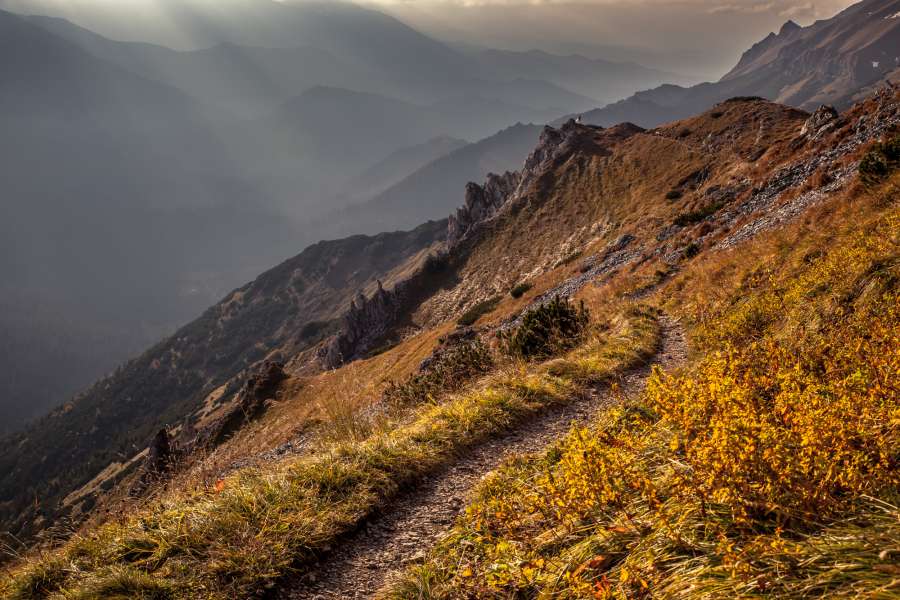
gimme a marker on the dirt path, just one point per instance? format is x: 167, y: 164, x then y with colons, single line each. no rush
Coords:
x: 416, y: 520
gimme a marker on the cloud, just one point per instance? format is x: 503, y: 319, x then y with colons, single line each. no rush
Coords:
x: 749, y: 8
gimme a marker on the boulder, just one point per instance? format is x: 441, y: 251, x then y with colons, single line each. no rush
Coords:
x: 820, y: 121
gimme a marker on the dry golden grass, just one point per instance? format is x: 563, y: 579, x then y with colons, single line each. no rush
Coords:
x: 768, y: 469
x: 239, y: 536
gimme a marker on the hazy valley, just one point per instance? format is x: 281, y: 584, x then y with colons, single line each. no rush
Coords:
x: 537, y: 326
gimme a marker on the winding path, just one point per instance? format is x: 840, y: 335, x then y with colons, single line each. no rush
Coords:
x: 415, y: 521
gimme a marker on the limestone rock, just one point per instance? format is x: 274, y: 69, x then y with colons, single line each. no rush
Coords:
x: 260, y: 387
x: 820, y: 121
x: 481, y: 203
x: 160, y: 453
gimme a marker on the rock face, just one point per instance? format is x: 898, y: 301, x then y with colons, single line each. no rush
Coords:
x: 550, y: 141
x: 260, y: 387
x: 481, y: 203
x: 484, y: 201
x: 371, y: 320
x: 367, y: 320
x: 159, y: 457
x: 819, y: 122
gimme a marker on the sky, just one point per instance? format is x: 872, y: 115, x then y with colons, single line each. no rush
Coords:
x: 700, y: 38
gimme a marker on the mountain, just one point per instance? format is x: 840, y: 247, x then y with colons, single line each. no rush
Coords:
x: 158, y: 156
x: 135, y: 165
x: 603, y: 80
x: 397, y: 166
x: 250, y: 75
x: 344, y: 29
x: 244, y: 80
x: 676, y: 292
x: 328, y: 136
x: 282, y: 313
x: 833, y: 61
x: 435, y: 189
x: 389, y: 55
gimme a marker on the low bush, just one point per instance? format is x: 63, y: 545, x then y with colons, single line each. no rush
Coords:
x: 695, y: 216
x: 546, y: 330
x: 237, y: 539
x: 879, y: 162
x: 520, y: 290
x: 476, y: 312
x: 448, y: 373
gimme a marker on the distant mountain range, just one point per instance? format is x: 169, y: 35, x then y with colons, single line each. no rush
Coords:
x: 397, y: 166
x: 177, y: 174
x: 603, y: 80
x: 146, y: 181
x: 433, y: 191
x: 252, y: 74
x: 97, y: 241
x: 327, y: 137
x: 833, y: 61
x: 129, y: 202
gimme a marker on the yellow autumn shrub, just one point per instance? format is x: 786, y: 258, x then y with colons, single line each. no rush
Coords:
x: 768, y: 468
x: 766, y: 430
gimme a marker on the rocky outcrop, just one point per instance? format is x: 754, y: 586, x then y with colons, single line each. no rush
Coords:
x: 553, y: 145
x: 823, y: 119
x: 260, y: 387
x: 370, y: 321
x: 789, y: 28
x: 160, y: 453
x: 161, y: 456
x: 481, y: 203
x: 367, y: 320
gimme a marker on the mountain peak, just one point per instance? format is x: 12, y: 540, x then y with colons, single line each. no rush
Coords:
x: 789, y: 27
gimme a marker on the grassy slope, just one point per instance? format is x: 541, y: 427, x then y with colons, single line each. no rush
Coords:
x: 238, y: 537
x: 767, y: 469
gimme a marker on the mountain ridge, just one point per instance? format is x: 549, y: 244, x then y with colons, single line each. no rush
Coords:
x: 607, y: 215
x: 833, y: 61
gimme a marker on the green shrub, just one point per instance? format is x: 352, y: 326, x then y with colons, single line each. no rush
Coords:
x: 880, y: 161
x: 448, y: 373
x: 674, y: 195
x: 692, y: 250
x: 873, y: 168
x: 695, y: 216
x: 520, y: 290
x: 546, y: 330
x: 476, y: 312
x: 891, y: 151
x: 571, y: 257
